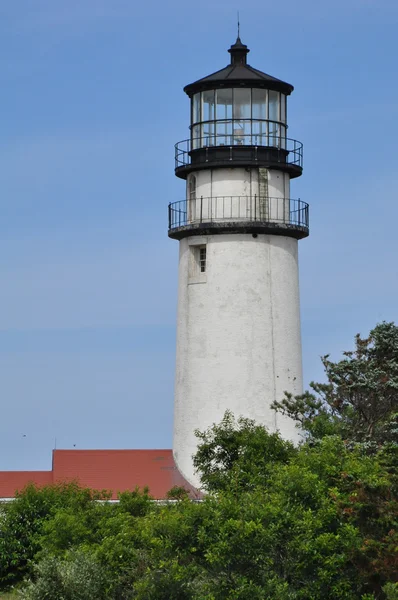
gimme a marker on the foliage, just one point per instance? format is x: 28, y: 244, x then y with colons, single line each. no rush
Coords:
x: 238, y: 454
x: 391, y: 591
x: 320, y: 525
x: 177, y: 493
x: 316, y: 529
x: 22, y: 522
x: 78, y: 577
x: 316, y: 522
x: 359, y: 402
x: 136, y: 503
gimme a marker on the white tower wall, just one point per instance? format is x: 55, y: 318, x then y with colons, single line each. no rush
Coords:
x: 238, y: 327
x: 238, y: 194
x: 241, y: 182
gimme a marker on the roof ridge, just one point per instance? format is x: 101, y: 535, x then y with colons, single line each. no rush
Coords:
x: 112, y: 450
x: 262, y: 73
x: 216, y: 72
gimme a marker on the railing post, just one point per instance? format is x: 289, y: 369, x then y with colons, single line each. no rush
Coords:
x: 201, y: 208
x: 255, y: 207
x: 169, y: 215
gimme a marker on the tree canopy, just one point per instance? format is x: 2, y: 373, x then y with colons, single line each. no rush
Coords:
x: 359, y: 400
x: 278, y: 522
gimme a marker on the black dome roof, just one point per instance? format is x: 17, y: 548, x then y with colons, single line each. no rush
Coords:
x: 238, y: 74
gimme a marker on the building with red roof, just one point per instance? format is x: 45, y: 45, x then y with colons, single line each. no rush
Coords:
x: 112, y: 470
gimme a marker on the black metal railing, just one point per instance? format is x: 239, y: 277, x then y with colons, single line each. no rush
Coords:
x: 284, y: 150
x: 246, y: 209
x: 238, y: 131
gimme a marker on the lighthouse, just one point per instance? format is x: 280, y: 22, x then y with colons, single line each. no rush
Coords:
x: 238, y: 316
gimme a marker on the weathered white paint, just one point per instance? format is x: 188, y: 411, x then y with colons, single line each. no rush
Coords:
x: 251, y: 194
x: 238, y: 333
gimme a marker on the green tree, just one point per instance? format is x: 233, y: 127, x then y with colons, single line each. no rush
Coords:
x: 359, y: 401
x: 319, y: 521
x: 238, y: 454
x: 113, y: 535
x: 22, y: 521
x: 318, y: 528
x: 321, y: 524
x: 77, y: 577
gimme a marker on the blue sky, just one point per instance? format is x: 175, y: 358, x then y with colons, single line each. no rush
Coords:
x: 92, y: 104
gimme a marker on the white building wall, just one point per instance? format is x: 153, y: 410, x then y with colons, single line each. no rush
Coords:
x: 238, y: 335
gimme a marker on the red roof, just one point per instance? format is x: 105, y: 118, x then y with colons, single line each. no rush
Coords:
x: 10, y: 481
x: 113, y: 470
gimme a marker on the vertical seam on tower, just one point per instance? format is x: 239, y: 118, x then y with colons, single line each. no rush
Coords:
x: 272, y: 327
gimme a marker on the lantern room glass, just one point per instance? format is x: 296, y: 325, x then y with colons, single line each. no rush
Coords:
x: 238, y: 116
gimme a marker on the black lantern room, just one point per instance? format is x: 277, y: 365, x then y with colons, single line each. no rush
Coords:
x: 239, y: 118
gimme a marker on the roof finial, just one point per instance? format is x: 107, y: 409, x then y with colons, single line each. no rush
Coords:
x: 238, y: 50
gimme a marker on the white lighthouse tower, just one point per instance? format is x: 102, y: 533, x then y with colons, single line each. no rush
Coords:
x: 238, y: 320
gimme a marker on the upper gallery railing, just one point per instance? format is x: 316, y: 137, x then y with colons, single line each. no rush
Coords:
x: 284, y: 150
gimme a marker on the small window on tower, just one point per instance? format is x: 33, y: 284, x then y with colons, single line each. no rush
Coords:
x: 197, y: 262
x: 202, y: 259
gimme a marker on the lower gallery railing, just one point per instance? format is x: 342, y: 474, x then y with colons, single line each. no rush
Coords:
x: 238, y: 208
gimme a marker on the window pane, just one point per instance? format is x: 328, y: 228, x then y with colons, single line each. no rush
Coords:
x: 259, y: 133
x: 202, y: 259
x: 208, y: 105
x: 242, y: 108
x: 248, y: 137
x: 224, y: 104
x: 273, y: 134
x: 196, y: 137
x: 273, y: 105
x: 208, y: 134
x: 283, y: 108
x: 221, y: 131
x: 259, y: 100
x: 239, y: 133
x: 283, y: 137
x: 196, y: 108
x: 242, y: 133
x: 224, y: 133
